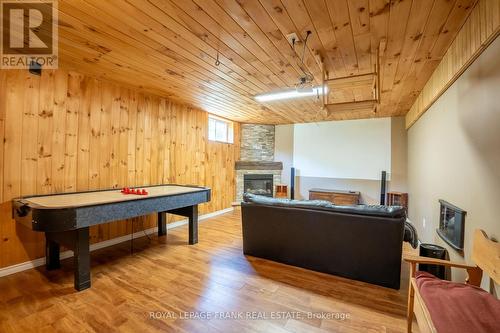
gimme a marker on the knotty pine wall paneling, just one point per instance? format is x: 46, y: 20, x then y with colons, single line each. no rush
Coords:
x: 65, y: 132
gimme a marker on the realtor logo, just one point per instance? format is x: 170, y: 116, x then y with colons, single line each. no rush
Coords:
x: 29, y: 34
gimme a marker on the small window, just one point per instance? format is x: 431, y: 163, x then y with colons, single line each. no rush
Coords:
x: 220, y: 129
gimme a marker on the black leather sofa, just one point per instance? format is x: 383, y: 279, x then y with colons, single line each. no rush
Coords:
x: 358, y: 242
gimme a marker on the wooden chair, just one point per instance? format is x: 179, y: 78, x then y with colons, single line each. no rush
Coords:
x: 486, y: 256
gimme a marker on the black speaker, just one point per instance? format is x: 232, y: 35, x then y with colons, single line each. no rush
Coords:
x: 382, y: 188
x: 292, y: 183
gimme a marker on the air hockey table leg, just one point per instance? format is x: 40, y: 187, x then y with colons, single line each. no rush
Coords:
x: 193, y: 225
x: 162, y: 223
x: 191, y: 212
x: 78, y: 241
x: 82, y: 258
x: 52, y: 251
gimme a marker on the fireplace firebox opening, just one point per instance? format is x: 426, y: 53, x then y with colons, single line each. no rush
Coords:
x: 258, y: 184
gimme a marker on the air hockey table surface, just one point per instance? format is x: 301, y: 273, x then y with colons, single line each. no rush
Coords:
x: 92, y: 198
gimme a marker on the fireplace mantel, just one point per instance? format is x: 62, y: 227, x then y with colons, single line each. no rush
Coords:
x: 258, y: 165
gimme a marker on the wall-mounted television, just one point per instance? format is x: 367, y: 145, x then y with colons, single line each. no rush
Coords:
x: 452, y: 225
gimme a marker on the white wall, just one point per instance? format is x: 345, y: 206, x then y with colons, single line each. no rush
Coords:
x: 454, y: 154
x: 351, y: 149
x: 283, y: 150
x: 391, y: 143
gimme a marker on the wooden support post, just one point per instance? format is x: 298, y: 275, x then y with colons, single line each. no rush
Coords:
x: 324, y: 97
x: 377, y: 72
x: 411, y: 298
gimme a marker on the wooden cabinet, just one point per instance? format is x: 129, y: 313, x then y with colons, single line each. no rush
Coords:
x: 335, y: 196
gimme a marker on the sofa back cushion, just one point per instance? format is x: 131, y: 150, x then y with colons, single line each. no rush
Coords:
x: 368, y: 210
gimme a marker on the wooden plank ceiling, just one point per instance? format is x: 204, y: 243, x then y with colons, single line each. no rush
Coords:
x: 170, y: 48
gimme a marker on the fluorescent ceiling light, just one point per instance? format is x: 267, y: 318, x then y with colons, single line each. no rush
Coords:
x: 290, y: 93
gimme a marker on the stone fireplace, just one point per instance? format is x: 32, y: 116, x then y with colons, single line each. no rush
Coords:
x: 243, y: 168
x: 257, y: 172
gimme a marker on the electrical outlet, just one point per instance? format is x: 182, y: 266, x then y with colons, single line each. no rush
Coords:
x: 423, y: 222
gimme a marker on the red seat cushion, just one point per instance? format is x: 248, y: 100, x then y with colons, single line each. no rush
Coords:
x: 458, y: 307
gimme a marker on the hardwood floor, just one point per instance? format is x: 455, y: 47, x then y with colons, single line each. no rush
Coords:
x: 165, y: 281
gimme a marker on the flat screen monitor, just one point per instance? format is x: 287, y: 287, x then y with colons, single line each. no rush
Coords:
x: 451, y: 225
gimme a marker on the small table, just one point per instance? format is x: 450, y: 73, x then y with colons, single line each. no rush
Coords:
x: 281, y: 191
x: 337, y: 197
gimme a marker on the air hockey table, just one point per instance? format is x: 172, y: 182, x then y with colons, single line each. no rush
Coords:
x: 66, y: 218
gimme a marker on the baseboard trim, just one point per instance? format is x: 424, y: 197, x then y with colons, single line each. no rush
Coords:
x: 68, y: 254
